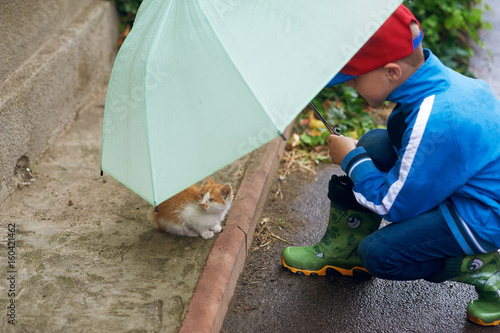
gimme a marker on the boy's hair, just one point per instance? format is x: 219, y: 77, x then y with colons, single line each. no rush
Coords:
x: 417, y: 57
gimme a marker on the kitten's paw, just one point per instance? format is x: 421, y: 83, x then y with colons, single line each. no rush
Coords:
x: 207, y: 234
x: 216, y: 229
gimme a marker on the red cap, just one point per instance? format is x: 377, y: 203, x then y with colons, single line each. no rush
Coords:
x: 392, y: 41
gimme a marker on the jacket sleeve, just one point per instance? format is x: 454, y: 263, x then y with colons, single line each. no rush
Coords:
x: 428, y: 171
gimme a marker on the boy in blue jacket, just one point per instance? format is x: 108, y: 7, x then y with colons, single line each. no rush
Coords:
x: 434, y: 173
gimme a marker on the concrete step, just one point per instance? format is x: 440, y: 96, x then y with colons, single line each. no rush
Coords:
x: 56, y: 56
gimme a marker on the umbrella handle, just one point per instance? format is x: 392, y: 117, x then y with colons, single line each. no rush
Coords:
x: 332, y: 130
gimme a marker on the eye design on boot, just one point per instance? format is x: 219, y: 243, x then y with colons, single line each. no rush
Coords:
x: 476, y: 263
x: 353, y: 221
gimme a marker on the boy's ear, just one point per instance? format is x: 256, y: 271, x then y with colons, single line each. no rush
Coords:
x: 393, y: 71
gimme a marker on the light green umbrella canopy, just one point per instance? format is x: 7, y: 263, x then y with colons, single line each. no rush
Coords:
x: 199, y: 83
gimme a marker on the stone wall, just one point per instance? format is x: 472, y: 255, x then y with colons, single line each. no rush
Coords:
x: 55, y: 54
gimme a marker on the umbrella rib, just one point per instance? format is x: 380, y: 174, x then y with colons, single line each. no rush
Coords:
x: 279, y: 133
x: 148, y: 137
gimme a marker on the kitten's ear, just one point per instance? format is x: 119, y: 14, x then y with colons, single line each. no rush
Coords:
x: 226, y: 190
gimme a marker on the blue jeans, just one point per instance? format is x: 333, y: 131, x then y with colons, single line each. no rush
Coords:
x: 409, y: 250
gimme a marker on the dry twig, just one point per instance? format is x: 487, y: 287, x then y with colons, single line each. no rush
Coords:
x: 264, y: 235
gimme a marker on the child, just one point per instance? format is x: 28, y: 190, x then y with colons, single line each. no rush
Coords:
x: 435, y: 173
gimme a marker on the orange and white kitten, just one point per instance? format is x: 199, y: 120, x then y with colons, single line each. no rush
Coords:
x: 196, y: 211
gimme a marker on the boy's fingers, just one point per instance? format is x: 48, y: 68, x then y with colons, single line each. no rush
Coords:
x: 332, y: 137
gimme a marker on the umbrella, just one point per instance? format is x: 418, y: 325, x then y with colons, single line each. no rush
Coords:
x: 198, y: 84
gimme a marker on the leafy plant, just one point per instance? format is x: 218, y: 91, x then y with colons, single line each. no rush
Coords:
x: 343, y: 108
x: 127, y: 9
x: 449, y: 26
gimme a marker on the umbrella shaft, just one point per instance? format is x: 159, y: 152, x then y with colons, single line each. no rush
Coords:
x: 332, y: 130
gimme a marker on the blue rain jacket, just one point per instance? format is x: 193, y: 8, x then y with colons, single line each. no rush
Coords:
x: 446, y: 132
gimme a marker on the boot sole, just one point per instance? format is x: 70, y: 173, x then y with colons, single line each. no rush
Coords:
x: 356, y: 272
x: 482, y: 323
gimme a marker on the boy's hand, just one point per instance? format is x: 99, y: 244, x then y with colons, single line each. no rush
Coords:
x: 340, y: 146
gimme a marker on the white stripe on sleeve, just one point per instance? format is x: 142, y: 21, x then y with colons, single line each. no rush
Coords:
x: 406, y: 163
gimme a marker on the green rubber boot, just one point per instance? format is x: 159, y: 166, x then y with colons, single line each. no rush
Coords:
x: 349, y: 223
x: 483, y: 272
